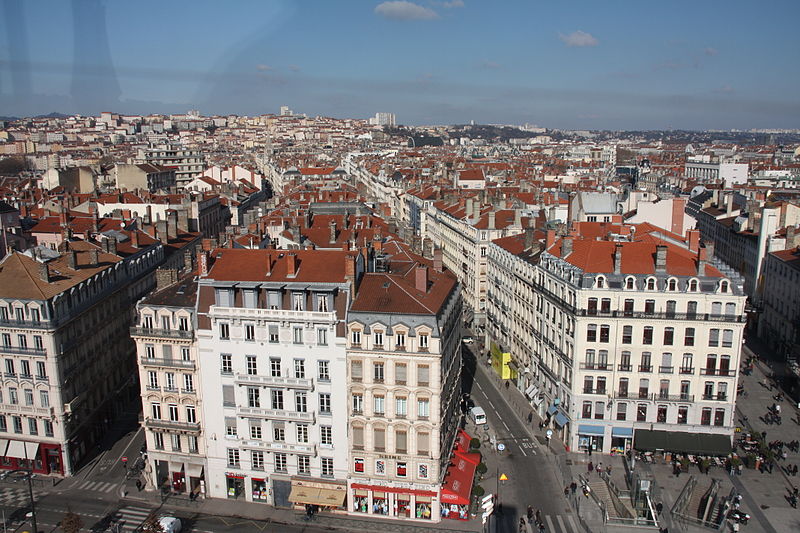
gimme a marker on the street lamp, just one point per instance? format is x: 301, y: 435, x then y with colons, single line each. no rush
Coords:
x: 29, y: 476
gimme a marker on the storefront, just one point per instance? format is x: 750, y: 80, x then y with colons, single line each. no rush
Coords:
x: 41, y: 458
x: 457, y: 488
x: 590, y: 438
x: 260, y: 490
x: 324, y: 495
x: 393, y: 502
x: 234, y: 484
x: 195, y: 474
x: 621, y: 439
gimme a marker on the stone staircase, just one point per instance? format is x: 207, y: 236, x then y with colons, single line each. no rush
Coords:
x: 615, y: 507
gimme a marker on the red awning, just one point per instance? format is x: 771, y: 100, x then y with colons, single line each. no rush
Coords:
x: 458, y: 480
x: 462, y: 441
x: 396, y: 490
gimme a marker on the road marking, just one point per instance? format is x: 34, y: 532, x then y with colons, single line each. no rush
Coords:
x: 505, y: 425
x: 561, y: 523
x: 574, y: 527
x: 523, y: 452
x: 550, y: 522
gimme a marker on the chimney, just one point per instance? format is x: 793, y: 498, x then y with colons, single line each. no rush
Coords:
x: 183, y: 220
x: 792, y: 237
x: 566, y: 246
x: 72, y: 259
x: 94, y: 255
x: 202, y: 263
x: 135, y: 238
x: 517, y: 218
x: 437, y: 259
x: 188, y: 265
x: 729, y: 210
x: 491, y: 220
x: 44, y: 272
x: 421, y: 278
x: 95, y: 223
x: 332, y: 227
x: 693, y: 236
x: 618, y: 258
x: 350, y: 273
x: 661, y: 258
x: 165, y: 277
x: 161, y: 231
x: 551, y: 238
x: 112, y: 245
x: 529, y: 238
x: 291, y: 265
x: 427, y: 248
x: 469, y: 209
x: 377, y: 242
x: 172, y: 225
x: 148, y: 214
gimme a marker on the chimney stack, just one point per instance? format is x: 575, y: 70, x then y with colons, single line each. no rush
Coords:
x: 437, y: 259
x: 421, y: 278
x: 291, y: 265
x: 44, y: 272
x: 551, y: 238
x: 693, y: 236
x: 661, y: 258
x: 94, y: 257
x: 529, y: 238
x: 172, y: 225
x: 112, y: 245
x: 188, y: 265
x: 332, y: 227
x: 618, y: 258
x: 566, y: 246
x: 729, y: 211
x: 72, y: 259
x: 161, y: 231
x: 135, y: 238
x: 517, y: 218
x: 491, y: 222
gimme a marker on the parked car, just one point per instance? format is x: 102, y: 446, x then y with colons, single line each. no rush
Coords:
x: 468, y: 340
x: 170, y: 524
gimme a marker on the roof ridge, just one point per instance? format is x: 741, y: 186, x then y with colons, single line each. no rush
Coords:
x: 32, y: 279
x: 428, y: 309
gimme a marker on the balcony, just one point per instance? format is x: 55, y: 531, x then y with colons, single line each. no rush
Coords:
x: 686, y: 398
x: 624, y: 368
x: 23, y: 351
x: 25, y: 324
x: 162, y: 333
x: 622, y: 395
x: 273, y: 315
x: 595, y: 391
x: 595, y: 366
x: 172, y: 425
x: 665, y: 369
x: 167, y: 363
x: 276, y: 414
x: 686, y: 370
x: 724, y: 372
x: 274, y: 381
x: 721, y: 397
x: 707, y: 317
x: 27, y: 409
x: 645, y: 368
x: 284, y: 447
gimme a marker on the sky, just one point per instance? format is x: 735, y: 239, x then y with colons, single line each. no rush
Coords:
x: 572, y: 65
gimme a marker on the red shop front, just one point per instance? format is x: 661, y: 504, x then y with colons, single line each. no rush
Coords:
x: 457, y: 489
x: 42, y: 458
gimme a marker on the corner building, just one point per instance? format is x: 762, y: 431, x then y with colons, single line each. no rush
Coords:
x: 403, y: 355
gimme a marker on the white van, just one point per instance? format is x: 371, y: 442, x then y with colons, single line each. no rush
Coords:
x: 478, y: 416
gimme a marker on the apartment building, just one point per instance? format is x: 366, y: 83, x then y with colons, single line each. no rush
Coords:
x: 68, y: 362
x: 779, y: 325
x: 271, y: 344
x: 403, y: 382
x: 635, y: 332
x: 187, y: 162
x: 170, y: 387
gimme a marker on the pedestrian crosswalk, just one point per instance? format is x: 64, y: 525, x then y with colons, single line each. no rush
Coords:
x: 130, y: 518
x: 18, y: 496
x: 96, y: 486
x: 556, y: 524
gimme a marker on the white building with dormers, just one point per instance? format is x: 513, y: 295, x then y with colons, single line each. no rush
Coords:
x: 632, y: 332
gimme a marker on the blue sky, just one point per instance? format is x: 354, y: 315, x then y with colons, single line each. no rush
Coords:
x: 594, y: 65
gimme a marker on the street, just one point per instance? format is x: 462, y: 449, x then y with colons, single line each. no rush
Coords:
x: 525, y: 461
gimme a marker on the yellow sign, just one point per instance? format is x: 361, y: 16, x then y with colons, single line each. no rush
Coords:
x: 503, y: 477
x: 500, y: 362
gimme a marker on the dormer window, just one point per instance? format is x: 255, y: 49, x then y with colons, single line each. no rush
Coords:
x: 672, y: 285
x: 723, y: 286
x: 601, y: 282
x: 651, y: 284
x: 630, y: 283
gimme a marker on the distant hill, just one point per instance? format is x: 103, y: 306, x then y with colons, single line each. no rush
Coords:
x: 54, y: 114
x: 9, y: 119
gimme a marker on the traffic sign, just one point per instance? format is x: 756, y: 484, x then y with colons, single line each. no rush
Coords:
x: 487, y: 498
x: 503, y: 477
x: 549, y: 433
x: 501, y: 447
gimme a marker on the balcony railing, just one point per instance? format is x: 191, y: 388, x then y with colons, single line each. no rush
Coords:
x: 645, y: 368
x: 646, y: 396
x: 662, y: 315
x: 723, y: 397
x: 277, y: 414
x: 172, y: 425
x: 624, y: 368
x: 724, y: 372
x: 22, y: 351
x: 665, y: 369
x: 271, y: 314
x: 686, y: 370
x: 275, y: 381
x: 595, y: 391
x: 280, y: 447
x: 595, y: 366
x: 169, y: 363
x: 162, y: 333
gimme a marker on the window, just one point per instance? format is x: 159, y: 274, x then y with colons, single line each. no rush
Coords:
x: 649, y: 307
x: 691, y: 309
x: 231, y: 429
x: 176, y: 442
x: 37, y: 342
x: 666, y: 363
x: 191, y: 414
x: 253, y: 397
x: 250, y: 297
x: 401, y: 441
x: 723, y: 286
x: 591, y: 333
x: 252, y: 365
x: 400, y: 341
x: 423, y: 341
x: 672, y: 285
x: 10, y: 367
x: 378, y: 404
x: 298, y: 302
x: 302, y: 433
x: 173, y: 412
x: 591, y: 306
x: 275, y: 367
x: 377, y: 339
x: 28, y: 396
x: 323, y: 371
x: 590, y: 359
x: 683, y: 415
x: 601, y: 282
x: 188, y: 383
x: 326, y: 435
x: 322, y: 336
x: 183, y: 323
x: 44, y: 398
x: 705, y: 416
x: 661, y: 414
x: 663, y: 389
x: 647, y: 335
x: 233, y: 457
x: 6, y: 340
x: 158, y: 440
x: 48, y: 427
x: 651, y: 284
x: 713, y: 337
x: 278, y: 432
x: 3, y: 423
x: 301, y: 402
x: 12, y: 396
x: 255, y: 430
x: 22, y: 340
x: 322, y: 303
x: 325, y: 403
x: 586, y: 410
x: 226, y: 360
x: 249, y: 332
x: 688, y: 337
x: 716, y: 308
x: 185, y: 353
x: 152, y: 379
x: 686, y: 364
x: 644, y: 387
x: 224, y: 331
x: 273, y: 334
x: 327, y: 467
x: 641, y: 412
x: 257, y: 460
x: 400, y: 373
x: 280, y: 462
x: 629, y: 283
x: 730, y: 309
x: 669, y: 336
x: 605, y: 305
x: 601, y: 385
x: 297, y: 335
x: 627, y: 334
x: 599, y: 410
x: 277, y: 399
x: 625, y: 361
x: 423, y: 375
x: 622, y: 392
x: 358, y: 403
x: 170, y: 386
x: 356, y: 370
x: 719, y: 416
x: 400, y: 406
x: 622, y: 411
x: 727, y: 338
x: 423, y: 408
x: 356, y: 336
x: 17, y: 424
x: 604, y: 333
x: 685, y: 389
x: 628, y: 307
x: 300, y: 368
x: 377, y: 372
x: 25, y: 369
x: 693, y: 285
x: 155, y: 410
x: 379, y: 439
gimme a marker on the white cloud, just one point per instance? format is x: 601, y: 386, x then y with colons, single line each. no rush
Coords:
x: 402, y: 10
x: 490, y: 65
x: 578, y: 38
x: 263, y: 68
x: 725, y: 89
x: 453, y: 3
x: 711, y: 51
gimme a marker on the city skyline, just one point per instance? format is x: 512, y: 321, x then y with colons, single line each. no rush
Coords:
x: 681, y: 66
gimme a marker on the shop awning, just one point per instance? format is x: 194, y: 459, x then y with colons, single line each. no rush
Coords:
x: 32, y: 449
x: 531, y: 391
x: 561, y: 419
x: 474, y: 458
x: 682, y: 442
x: 16, y: 449
x: 3, y: 446
x: 537, y: 401
x: 458, y: 479
x: 551, y: 410
x: 396, y: 490
x: 584, y: 429
x: 625, y: 433
x: 194, y: 470
x: 462, y: 441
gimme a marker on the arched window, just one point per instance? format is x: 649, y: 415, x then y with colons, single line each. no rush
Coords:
x: 672, y: 284
x: 601, y: 282
x: 630, y: 283
x: 693, y: 285
x: 723, y: 285
x: 651, y: 284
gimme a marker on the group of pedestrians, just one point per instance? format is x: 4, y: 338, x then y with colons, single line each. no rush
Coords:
x: 535, y: 518
x: 600, y: 469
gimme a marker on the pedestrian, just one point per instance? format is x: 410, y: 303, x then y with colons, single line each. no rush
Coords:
x: 530, y: 513
x: 530, y: 417
x: 740, y: 468
x: 608, y: 470
x: 590, y: 467
x: 599, y: 469
x: 507, y: 384
x: 574, y: 486
x: 139, y: 485
x: 659, y: 507
x: 794, y: 470
x: 566, y: 491
x: 521, y: 524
